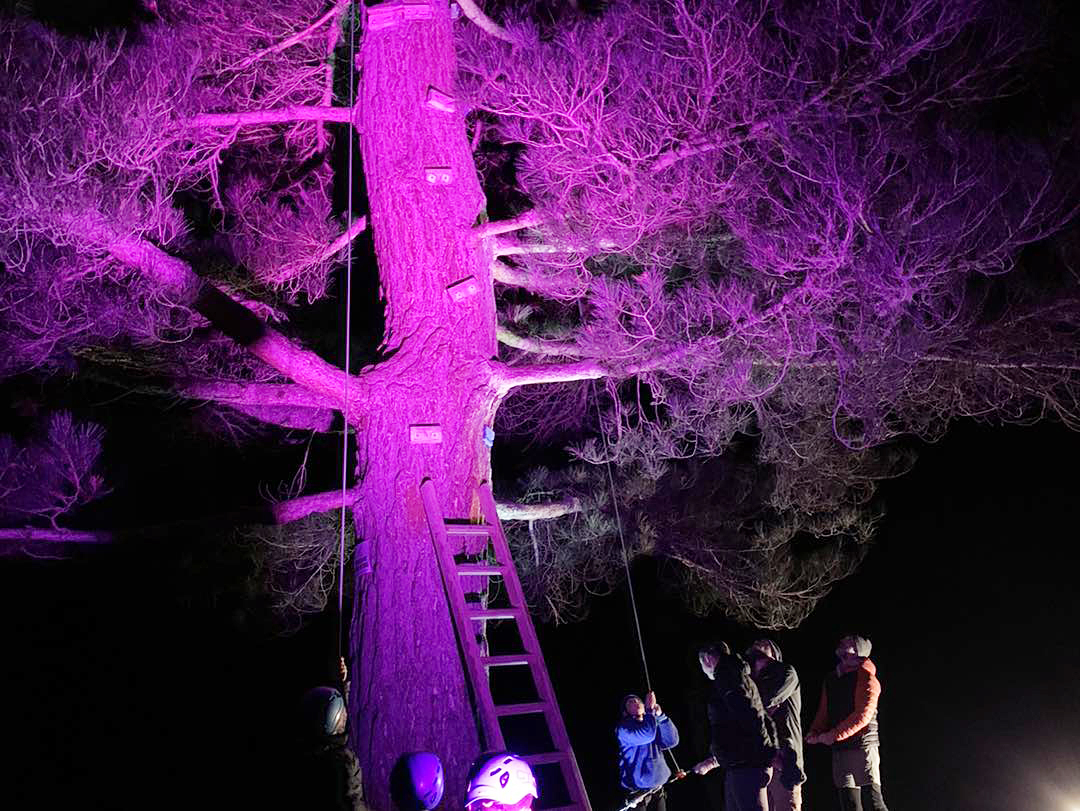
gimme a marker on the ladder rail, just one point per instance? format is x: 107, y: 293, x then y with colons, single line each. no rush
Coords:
x: 559, y: 735
x: 463, y: 627
x: 477, y: 662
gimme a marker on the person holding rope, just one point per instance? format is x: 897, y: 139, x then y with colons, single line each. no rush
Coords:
x: 643, y: 733
x: 743, y: 735
x: 326, y: 770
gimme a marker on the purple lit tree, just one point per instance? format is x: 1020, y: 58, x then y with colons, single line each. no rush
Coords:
x: 778, y: 236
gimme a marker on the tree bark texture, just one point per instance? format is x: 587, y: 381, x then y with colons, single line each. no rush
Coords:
x: 410, y: 691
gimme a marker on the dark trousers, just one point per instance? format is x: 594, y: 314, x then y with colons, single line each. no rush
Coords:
x: 851, y: 799
x: 744, y: 789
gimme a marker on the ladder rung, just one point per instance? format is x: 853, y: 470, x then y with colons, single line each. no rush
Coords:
x: 480, y: 569
x: 544, y: 758
x: 472, y: 530
x: 494, y: 614
x: 521, y: 709
x: 507, y: 660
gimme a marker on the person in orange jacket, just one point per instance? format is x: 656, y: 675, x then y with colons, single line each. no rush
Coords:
x: 847, y: 721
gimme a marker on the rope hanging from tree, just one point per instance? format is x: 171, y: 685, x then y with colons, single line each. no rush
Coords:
x: 351, y: 22
x: 626, y: 561
x: 622, y: 539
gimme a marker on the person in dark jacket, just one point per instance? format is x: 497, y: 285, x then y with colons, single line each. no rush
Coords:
x: 778, y: 684
x: 327, y: 773
x: 644, y: 732
x: 847, y: 721
x: 743, y: 735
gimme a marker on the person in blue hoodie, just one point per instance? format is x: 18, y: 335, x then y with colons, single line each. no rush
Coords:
x: 644, y: 732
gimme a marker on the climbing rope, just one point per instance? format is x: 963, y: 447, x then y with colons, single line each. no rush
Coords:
x: 348, y: 335
x: 622, y: 539
x: 626, y: 561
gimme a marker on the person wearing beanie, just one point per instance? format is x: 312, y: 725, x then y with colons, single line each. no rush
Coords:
x: 743, y: 737
x: 847, y: 721
x: 778, y: 684
x: 643, y: 733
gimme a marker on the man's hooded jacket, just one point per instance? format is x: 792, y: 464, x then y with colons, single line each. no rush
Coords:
x: 642, y: 764
x: 778, y: 684
x: 743, y: 735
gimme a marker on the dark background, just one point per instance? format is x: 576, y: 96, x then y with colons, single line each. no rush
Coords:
x: 122, y: 693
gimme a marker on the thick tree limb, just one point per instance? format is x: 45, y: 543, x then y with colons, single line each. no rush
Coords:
x: 319, y: 420
x: 503, y: 246
x: 555, y: 285
x: 506, y: 378
x: 538, y: 346
x: 277, y: 115
x: 293, y: 509
x: 508, y: 247
x: 510, y: 377
x: 303, y: 367
x: 513, y: 511
x: 56, y: 535
x: 253, y: 394
x: 477, y: 15
x: 530, y: 219
x: 283, y: 512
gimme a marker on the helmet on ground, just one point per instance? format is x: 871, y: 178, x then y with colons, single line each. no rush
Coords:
x: 323, y: 711
x: 426, y: 775
x: 504, y: 779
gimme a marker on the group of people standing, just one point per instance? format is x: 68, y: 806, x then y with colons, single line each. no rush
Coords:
x: 755, y: 721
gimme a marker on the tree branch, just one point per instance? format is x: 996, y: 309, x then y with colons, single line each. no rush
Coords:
x: 333, y: 36
x: 555, y: 285
x: 530, y: 219
x: 506, y: 247
x: 267, y: 344
x: 293, y: 509
x: 282, y: 512
x: 358, y: 227
x: 56, y: 535
x: 513, y: 511
x: 511, y: 377
x: 514, y: 247
x: 253, y: 394
x: 277, y: 115
x: 299, y: 36
x: 700, y: 146
x: 477, y: 15
x: 538, y: 346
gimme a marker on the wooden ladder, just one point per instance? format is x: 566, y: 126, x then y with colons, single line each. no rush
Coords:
x: 490, y: 562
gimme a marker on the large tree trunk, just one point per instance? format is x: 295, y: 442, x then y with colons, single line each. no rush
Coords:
x: 410, y: 692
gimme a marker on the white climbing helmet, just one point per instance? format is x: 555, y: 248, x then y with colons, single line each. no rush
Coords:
x: 504, y: 779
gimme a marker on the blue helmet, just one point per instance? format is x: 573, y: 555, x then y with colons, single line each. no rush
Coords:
x: 426, y: 775
x: 323, y: 711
